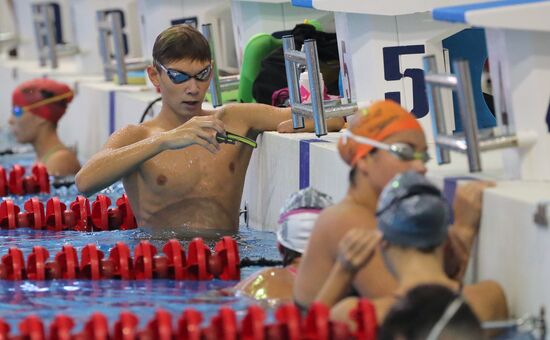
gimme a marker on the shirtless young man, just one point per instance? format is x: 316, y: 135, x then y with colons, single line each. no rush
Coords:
x: 174, y: 171
x: 37, y: 107
x: 385, y: 123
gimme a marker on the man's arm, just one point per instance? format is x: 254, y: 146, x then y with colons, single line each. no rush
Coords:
x: 129, y: 147
x: 261, y: 117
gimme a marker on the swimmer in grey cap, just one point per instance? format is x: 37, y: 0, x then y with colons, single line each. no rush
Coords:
x: 296, y: 221
x: 413, y: 218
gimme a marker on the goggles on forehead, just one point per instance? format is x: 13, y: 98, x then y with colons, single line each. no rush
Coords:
x: 403, y: 151
x: 18, y: 111
x: 179, y: 77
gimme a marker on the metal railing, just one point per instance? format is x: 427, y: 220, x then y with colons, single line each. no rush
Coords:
x: 218, y: 83
x: 111, y: 47
x: 44, y: 32
x: 473, y: 141
x: 318, y: 109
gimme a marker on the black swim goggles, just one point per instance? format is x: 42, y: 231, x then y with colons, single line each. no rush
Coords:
x: 402, y: 151
x: 231, y: 138
x: 180, y: 77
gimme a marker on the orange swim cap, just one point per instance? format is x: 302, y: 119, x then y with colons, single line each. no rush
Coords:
x: 40, y: 90
x: 379, y: 121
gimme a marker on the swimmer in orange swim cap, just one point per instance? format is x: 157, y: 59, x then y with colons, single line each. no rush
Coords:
x: 37, y: 106
x: 381, y: 142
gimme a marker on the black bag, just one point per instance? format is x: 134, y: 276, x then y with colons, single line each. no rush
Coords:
x: 272, y: 76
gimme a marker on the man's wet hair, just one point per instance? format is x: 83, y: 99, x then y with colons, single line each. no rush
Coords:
x: 414, y: 316
x: 181, y: 42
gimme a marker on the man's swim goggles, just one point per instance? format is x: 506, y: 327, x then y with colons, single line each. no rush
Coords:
x: 231, y: 138
x: 402, y: 151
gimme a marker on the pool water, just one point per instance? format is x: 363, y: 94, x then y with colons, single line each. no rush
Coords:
x: 79, y: 299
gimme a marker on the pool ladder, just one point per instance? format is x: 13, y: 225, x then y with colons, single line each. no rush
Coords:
x: 473, y: 141
x: 318, y: 109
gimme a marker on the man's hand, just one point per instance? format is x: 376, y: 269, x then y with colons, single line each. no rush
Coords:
x: 200, y: 130
x: 357, y: 248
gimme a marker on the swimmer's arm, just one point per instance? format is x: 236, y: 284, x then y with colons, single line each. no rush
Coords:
x: 261, y: 117
x: 129, y: 147
x: 123, y: 153
x: 336, y: 287
x: 355, y: 250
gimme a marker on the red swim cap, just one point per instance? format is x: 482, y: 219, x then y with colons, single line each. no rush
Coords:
x: 54, y: 95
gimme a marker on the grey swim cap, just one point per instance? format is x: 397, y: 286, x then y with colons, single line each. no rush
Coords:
x: 297, y: 217
x: 308, y: 198
x: 412, y: 212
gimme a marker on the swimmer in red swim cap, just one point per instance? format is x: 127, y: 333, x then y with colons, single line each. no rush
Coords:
x: 37, y: 106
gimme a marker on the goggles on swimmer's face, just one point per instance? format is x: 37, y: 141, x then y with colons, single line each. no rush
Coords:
x: 179, y: 77
x: 18, y: 111
x: 403, y: 151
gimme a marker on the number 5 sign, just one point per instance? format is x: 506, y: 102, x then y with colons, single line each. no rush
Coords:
x: 392, y: 72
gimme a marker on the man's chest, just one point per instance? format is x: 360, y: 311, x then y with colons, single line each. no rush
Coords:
x: 193, y: 170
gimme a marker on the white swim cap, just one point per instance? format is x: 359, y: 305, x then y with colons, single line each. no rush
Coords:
x: 298, y: 216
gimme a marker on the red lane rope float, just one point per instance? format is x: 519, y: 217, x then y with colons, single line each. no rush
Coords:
x: 189, y: 325
x: 126, y: 328
x: 160, y: 327
x: 3, y: 182
x: 97, y: 327
x: 252, y: 325
x: 176, y: 260
x: 67, y: 260
x: 365, y: 317
x: 55, y: 219
x: 14, y: 265
x: 228, y: 252
x: 197, y: 259
x: 81, y: 209
x: 223, y: 326
x: 61, y: 328
x: 16, y: 183
x: 145, y: 265
x: 36, y: 264
x: 41, y: 177
x: 8, y: 214
x: 100, y: 212
x: 122, y: 262
x: 126, y: 213
x: 32, y: 327
x: 78, y: 217
x: 34, y: 210
x: 4, y: 330
x: 143, y: 260
x: 288, y: 322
